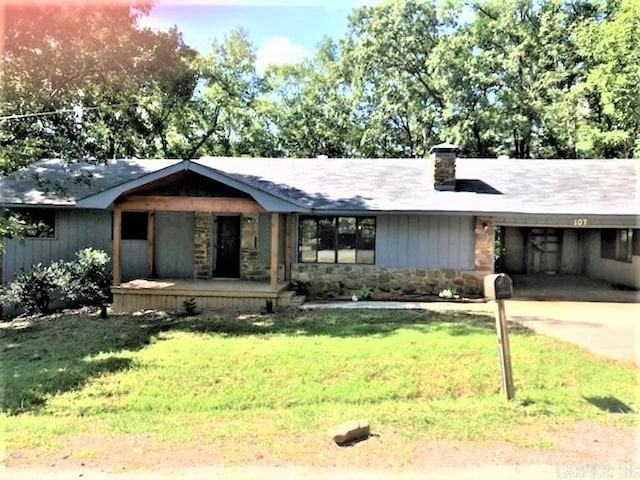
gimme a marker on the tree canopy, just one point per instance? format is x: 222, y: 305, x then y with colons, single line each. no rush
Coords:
x: 523, y: 78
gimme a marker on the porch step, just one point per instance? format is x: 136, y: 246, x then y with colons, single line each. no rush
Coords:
x: 290, y: 299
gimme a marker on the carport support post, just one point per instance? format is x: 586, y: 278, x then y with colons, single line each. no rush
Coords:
x: 504, y: 350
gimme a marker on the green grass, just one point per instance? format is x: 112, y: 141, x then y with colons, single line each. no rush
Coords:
x: 253, y: 379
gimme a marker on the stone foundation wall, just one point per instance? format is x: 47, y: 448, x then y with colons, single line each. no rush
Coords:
x: 335, y: 281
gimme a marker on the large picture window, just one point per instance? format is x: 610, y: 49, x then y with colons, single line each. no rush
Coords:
x: 616, y: 244
x: 337, y: 240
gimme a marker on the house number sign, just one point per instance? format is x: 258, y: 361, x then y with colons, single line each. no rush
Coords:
x: 580, y: 222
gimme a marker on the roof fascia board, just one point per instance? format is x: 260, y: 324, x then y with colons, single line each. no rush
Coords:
x: 269, y: 201
x: 104, y: 199
x: 632, y: 219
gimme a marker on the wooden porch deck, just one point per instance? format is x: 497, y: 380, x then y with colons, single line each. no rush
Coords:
x: 169, y: 294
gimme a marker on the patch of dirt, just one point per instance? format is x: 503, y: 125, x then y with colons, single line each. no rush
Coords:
x: 580, y: 443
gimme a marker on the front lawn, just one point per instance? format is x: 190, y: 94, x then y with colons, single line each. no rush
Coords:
x: 255, y: 380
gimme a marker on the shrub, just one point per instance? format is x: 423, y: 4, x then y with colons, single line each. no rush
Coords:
x: 363, y: 293
x: 84, y: 281
x: 35, y: 289
x: 89, y: 278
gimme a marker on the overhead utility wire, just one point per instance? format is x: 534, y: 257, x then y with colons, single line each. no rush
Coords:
x: 54, y: 112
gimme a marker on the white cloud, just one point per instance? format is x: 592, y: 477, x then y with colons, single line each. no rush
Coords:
x: 278, y: 51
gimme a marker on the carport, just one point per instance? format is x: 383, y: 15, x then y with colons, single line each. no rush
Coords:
x: 577, y: 288
x: 578, y: 257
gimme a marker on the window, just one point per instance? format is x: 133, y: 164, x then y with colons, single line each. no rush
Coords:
x: 133, y: 226
x: 337, y: 240
x: 41, y: 222
x: 616, y: 244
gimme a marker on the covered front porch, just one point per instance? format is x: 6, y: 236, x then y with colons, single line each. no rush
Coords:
x: 170, y: 294
x: 200, y: 236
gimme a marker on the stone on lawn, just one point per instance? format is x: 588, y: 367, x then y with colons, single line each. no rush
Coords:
x: 351, y: 431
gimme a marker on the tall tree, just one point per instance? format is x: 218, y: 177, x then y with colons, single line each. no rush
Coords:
x: 308, y: 106
x: 74, y: 76
x: 525, y: 61
x: 609, y: 98
x: 386, y: 56
x: 222, y: 110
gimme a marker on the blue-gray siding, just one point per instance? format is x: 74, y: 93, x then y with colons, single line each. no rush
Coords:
x: 74, y: 230
x: 417, y: 241
x: 77, y: 229
x: 264, y: 238
x: 174, y: 255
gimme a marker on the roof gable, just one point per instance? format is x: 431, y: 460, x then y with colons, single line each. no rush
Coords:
x: 267, y: 200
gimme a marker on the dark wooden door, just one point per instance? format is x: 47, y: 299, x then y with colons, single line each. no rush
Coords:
x: 227, y: 247
x: 544, y: 251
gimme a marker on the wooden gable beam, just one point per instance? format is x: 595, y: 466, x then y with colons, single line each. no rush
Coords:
x: 189, y: 204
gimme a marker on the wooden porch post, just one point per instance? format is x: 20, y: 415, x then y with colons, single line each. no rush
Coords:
x: 151, y: 239
x: 117, y: 233
x: 287, y: 252
x: 275, y: 231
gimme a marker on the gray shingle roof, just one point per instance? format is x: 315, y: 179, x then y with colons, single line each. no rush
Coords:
x: 498, y: 186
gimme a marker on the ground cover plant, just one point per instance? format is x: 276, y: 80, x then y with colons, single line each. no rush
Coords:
x: 245, y: 383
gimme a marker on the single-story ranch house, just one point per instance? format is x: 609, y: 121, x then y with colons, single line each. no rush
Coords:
x: 238, y: 231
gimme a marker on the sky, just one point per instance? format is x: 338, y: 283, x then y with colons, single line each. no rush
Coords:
x: 282, y: 31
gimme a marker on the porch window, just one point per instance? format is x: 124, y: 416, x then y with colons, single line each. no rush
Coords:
x: 616, y: 244
x: 337, y: 240
x: 133, y: 226
x: 41, y: 222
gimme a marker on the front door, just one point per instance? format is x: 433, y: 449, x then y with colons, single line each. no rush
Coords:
x: 227, y: 247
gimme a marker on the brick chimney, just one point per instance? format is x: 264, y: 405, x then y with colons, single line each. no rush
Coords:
x: 443, y: 166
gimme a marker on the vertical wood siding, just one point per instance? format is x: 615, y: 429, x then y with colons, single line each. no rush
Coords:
x: 133, y: 259
x: 75, y: 230
x: 414, y: 241
x: 264, y: 238
x: 174, y: 247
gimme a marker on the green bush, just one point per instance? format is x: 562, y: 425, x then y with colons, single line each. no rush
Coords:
x: 35, y: 289
x: 84, y: 281
x: 89, y: 278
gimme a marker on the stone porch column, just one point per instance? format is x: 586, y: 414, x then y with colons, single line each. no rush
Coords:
x: 202, y: 245
x: 484, y: 245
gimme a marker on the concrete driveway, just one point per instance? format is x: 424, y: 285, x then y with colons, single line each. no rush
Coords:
x: 607, y: 329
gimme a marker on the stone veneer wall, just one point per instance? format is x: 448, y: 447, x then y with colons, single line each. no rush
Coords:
x: 250, y: 269
x: 484, y: 244
x: 333, y: 281
x: 202, y: 245
x: 443, y: 166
